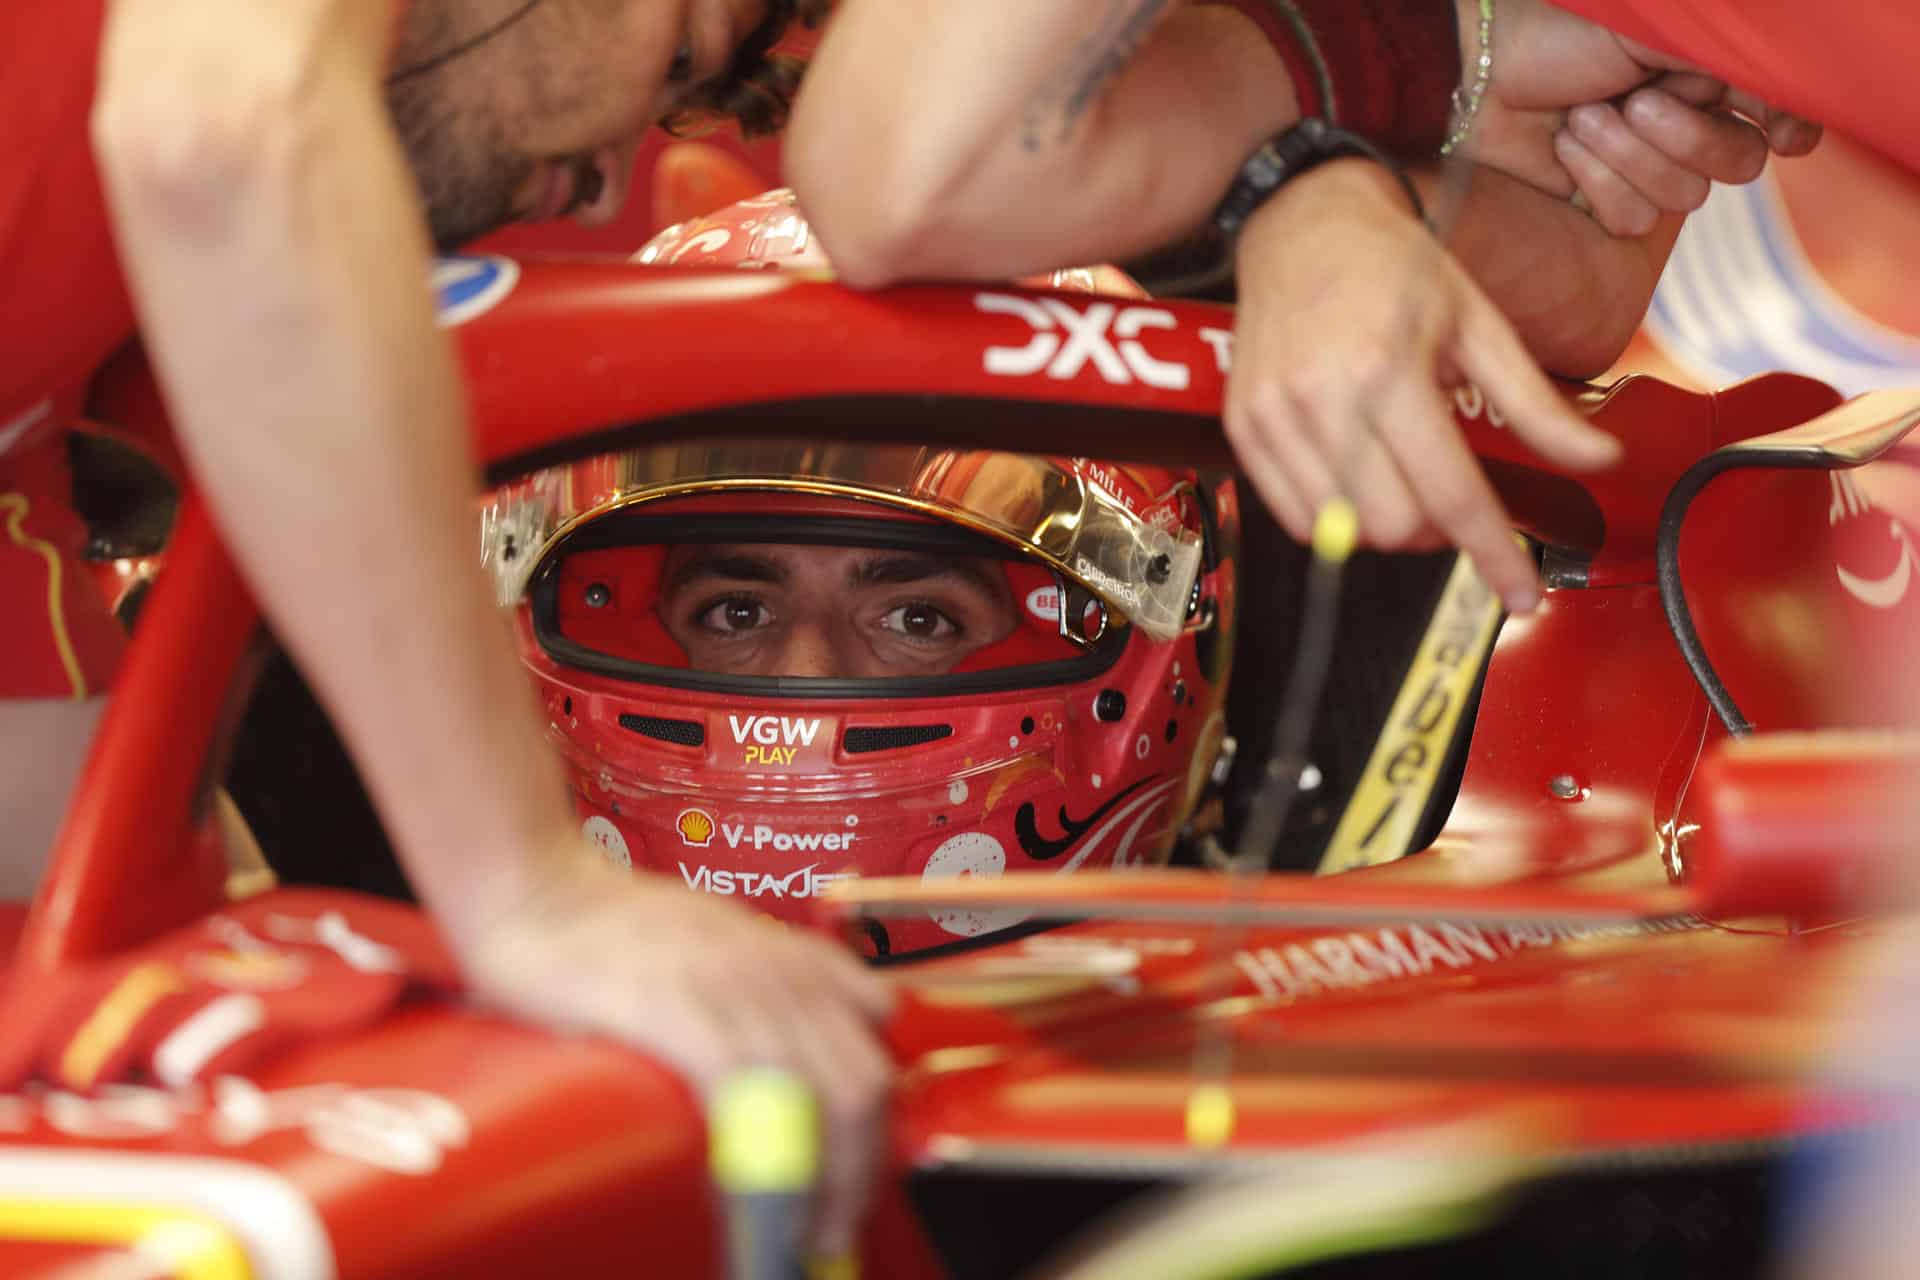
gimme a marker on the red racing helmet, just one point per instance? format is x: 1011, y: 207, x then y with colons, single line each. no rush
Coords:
x: 770, y: 666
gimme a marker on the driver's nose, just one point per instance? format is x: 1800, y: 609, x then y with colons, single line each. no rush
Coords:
x: 809, y: 651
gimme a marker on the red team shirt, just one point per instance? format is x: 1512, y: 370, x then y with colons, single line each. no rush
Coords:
x: 1847, y: 65
x: 63, y: 310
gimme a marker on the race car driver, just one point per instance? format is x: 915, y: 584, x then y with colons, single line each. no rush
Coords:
x: 245, y: 180
x: 768, y: 665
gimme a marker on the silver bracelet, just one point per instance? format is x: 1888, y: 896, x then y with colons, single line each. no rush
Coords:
x: 1466, y: 102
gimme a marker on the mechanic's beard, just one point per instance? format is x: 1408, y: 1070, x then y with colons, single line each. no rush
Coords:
x: 459, y: 212
x: 466, y: 176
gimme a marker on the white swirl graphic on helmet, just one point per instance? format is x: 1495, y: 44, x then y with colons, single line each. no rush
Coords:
x: 607, y: 836
x: 975, y: 853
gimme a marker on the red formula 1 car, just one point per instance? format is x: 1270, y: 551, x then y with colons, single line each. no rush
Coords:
x: 1578, y: 1023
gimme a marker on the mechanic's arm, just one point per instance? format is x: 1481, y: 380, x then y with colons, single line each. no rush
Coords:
x: 999, y: 137
x: 278, y: 260
x: 996, y: 138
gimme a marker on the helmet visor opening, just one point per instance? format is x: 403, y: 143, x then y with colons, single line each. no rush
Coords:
x: 1126, y: 535
x: 809, y: 606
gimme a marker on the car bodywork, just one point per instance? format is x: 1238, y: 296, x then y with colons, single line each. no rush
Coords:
x: 1622, y: 944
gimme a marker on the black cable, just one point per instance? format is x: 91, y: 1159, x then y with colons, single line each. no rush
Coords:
x: 1293, y: 724
x: 1673, y: 595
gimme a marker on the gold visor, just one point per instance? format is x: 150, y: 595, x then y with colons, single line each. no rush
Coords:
x: 1142, y: 568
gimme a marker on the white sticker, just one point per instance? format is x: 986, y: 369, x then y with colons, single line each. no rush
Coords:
x: 603, y: 833
x: 971, y: 853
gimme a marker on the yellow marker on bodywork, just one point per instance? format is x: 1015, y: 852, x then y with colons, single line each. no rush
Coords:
x: 1210, y: 1115
x: 106, y: 1029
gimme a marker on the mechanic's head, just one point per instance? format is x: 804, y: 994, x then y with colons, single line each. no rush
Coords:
x: 525, y: 109
x: 772, y: 664
x: 857, y: 612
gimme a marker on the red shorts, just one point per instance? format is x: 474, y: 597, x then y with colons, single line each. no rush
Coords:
x: 58, y: 638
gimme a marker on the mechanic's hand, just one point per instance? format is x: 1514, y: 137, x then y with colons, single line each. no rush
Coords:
x: 1353, y: 323
x: 1632, y: 133
x: 709, y: 988
x: 1660, y: 149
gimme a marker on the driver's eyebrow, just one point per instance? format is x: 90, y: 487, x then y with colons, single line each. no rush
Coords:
x: 896, y: 570
x: 735, y: 568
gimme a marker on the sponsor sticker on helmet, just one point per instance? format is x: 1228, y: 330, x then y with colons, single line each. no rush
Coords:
x: 773, y: 739
x: 695, y: 827
x: 803, y: 882
x: 760, y: 837
x: 1044, y: 604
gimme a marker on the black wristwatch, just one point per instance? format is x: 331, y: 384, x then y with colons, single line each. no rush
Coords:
x: 1203, y: 265
x: 1286, y: 156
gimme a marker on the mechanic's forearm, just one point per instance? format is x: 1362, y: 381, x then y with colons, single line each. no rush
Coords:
x: 1000, y: 137
x: 1575, y: 294
x: 278, y: 261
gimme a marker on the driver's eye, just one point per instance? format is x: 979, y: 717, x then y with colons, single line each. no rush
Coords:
x: 920, y: 622
x: 734, y: 615
x: 680, y: 70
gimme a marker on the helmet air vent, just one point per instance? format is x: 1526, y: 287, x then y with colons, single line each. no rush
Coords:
x: 685, y: 733
x: 893, y: 737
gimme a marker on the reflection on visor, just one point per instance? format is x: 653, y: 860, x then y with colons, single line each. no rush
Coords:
x: 1141, y: 564
x: 776, y: 609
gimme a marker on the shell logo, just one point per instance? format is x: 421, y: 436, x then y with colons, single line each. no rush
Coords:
x: 695, y: 827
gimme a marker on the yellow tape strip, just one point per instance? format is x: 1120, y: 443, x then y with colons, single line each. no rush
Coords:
x: 114, y: 1019
x: 1405, y: 764
x: 17, y: 507
x: 190, y: 1246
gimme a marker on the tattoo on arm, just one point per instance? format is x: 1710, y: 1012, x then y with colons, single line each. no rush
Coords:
x: 1096, y: 61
